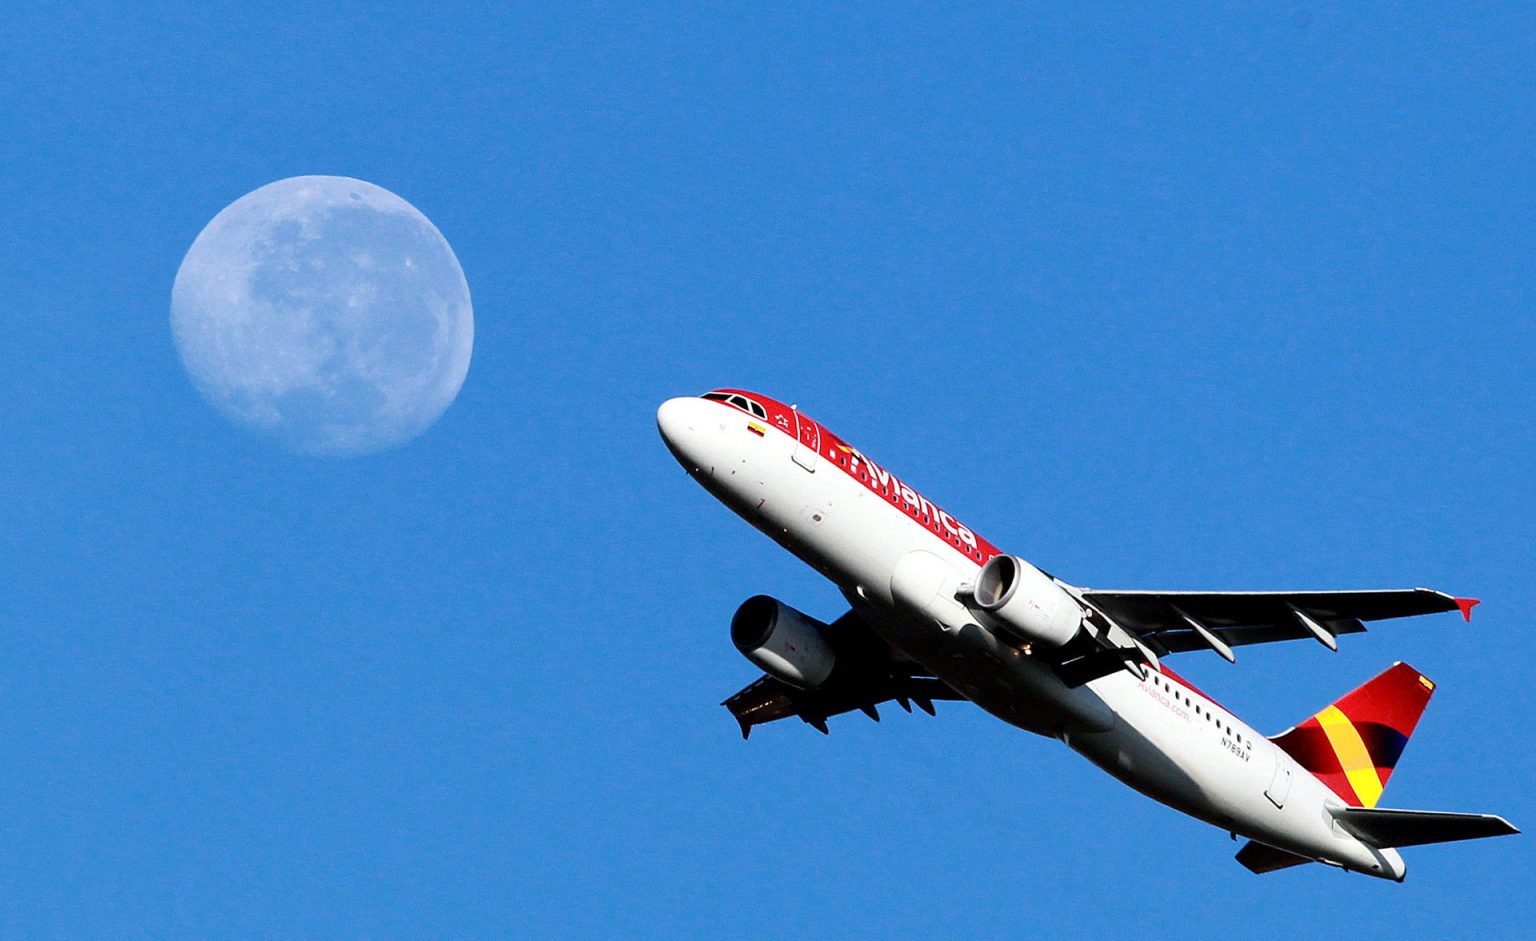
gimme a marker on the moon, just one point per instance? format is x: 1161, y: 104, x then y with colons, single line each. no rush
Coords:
x: 325, y: 313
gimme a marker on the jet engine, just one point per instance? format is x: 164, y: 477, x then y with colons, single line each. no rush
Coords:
x: 786, y: 644
x: 1016, y: 597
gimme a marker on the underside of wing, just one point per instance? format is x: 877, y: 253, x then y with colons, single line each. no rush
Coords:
x: 1177, y: 621
x: 768, y: 699
x: 873, y: 675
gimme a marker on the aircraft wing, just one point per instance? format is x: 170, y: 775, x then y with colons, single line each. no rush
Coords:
x: 768, y: 699
x: 869, y: 672
x: 1180, y: 620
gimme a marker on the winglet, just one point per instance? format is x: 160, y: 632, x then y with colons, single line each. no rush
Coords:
x: 1466, y: 605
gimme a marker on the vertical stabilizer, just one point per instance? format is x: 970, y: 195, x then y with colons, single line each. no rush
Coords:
x: 1353, y: 745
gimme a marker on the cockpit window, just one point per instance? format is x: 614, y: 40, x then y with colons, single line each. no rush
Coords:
x: 740, y: 401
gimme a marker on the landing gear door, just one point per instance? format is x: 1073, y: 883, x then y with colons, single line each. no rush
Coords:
x: 807, y: 442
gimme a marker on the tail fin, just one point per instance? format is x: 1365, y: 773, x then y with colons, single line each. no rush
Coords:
x: 1353, y: 745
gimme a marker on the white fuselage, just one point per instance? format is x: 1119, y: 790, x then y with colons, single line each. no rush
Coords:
x: 1157, y: 734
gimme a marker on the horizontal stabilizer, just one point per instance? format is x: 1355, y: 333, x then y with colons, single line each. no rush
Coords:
x: 1256, y: 857
x: 1380, y: 827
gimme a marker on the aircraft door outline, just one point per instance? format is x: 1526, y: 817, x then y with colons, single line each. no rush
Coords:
x: 1280, y: 785
x: 807, y: 442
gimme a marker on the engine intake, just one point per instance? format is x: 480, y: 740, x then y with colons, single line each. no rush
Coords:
x: 786, y: 644
x: 1016, y: 597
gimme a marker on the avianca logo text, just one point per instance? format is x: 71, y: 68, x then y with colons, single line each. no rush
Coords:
x: 917, y: 504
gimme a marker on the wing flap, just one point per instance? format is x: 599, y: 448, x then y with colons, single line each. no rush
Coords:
x: 1175, y: 639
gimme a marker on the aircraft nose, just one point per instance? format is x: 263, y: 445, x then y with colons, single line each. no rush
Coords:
x: 680, y: 422
x: 672, y: 420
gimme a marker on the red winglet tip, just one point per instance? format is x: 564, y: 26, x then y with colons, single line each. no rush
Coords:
x: 1465, y: 604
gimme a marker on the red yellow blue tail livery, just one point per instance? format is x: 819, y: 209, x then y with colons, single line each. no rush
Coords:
x: 1353, y: 745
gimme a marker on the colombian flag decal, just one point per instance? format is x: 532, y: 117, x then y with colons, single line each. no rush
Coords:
x: 755, y: 428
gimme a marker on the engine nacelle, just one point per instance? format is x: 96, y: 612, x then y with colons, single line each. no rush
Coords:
x: 786, y: 644
x: 1016, y: 597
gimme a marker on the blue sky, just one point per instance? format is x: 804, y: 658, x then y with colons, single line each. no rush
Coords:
x: 1216, y: 298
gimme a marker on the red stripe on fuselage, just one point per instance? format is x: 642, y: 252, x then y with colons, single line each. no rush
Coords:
x: 873, y: 477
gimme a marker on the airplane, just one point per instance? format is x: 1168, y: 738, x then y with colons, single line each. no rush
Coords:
x: 939, y: 613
